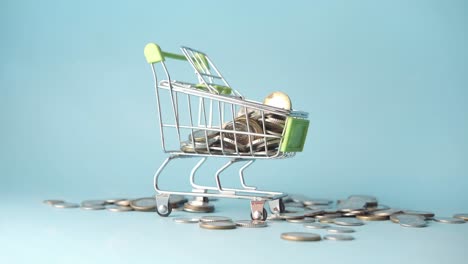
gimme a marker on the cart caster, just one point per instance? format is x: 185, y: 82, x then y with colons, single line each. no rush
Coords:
x: 257, y: 215
x: 277, y: 206
x: 163, y: 207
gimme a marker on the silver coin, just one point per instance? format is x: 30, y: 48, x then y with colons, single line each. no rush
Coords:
x: 346, y: 221
x: 52, y: 202
x: 198, y: 207
x: 218, y: 225
x: 301, y: 236
x: 298, y: 198
x: 251, y: 223
x: 275, y: 217
x: 93, y: 207
x: 326, y: 220
x: 113, y: 200
x: 186, y: 220
x: 192, y: 147
x: 327, y: 216
x: 270, y: 144
x: 338, y: 229
x: 93, y: 203
x: 116, y: 208
x: 387, y: 212
x: 213, y: 218
x: 411, y: 220
x: 461, y: 216
x: 294, y: 204
x: 123, y: 202
x: 317, y: 202
x: 294, y: 210
x: 368, y: 199
x: 144, y: 204
x: 66, y: 205
x: 316, y: 226
x: 291, y: 215
x: 377, y: 208
x: 200, y: 135
x: 301, y: 220
x: 313, y: 213
x: 352, y: 205
x: 318, y: 207
x: 338, y: 237
x: 449, y: 220
x: 427, y: 215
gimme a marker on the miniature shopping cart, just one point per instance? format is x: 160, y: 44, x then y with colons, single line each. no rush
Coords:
x: 208, y: 118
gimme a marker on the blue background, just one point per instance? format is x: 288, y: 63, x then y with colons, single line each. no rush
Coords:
x: 385, y: 83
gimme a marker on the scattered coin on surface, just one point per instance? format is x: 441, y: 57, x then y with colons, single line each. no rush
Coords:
x: 338, y: 237
x: 316, y: 226
x: 186, y: 220
x: 461, y: 216
x: 52, y: 202
x: 301, y: 236
x: 146, y: 204
x: 251, y: 223
x: 408, y: 220
x: 449, y: 220
x: 347, y: 221
x: 218, y: 225
x: 116, y: 208
x: 93, y: 203
x: 338, y: 229
x: 214, y: 218
x: 66, y: 205
x: 92, y: 207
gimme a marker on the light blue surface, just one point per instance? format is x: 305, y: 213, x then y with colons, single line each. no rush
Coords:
x: 385, y: 84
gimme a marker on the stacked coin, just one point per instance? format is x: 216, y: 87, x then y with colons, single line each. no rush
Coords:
x: 255, y: 132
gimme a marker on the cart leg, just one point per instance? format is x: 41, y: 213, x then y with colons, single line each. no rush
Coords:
x: 160, y: 169
x: 218, y: 182
x: 276, y: 206
x: 163, y: 207
x: 257, y: 210
x: 192, y: 176
x: 241, y: 175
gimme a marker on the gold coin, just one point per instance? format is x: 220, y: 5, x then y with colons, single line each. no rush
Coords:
x: 461, y: 216
x: 301, y: 236
x: 278, y: 99
x: 218, y: 225
x: 372, y: 217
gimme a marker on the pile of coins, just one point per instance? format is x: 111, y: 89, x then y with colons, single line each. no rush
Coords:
x: 221, y: 222
x: 250, y: 122
x: 337, y: 219
x: 145, y: 204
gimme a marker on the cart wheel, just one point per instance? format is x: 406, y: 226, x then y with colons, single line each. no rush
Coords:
x: 265, y: 214
x: 257, y: 217
x: 281, y: 206
x: 164, y: 210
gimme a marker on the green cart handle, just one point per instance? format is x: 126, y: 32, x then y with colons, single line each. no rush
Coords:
x: 154, y: 54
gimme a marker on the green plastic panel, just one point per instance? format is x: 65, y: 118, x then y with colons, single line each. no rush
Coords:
x: 295, y: 135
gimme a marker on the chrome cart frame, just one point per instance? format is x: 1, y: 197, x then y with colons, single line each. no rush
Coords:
x: 211, y: 119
